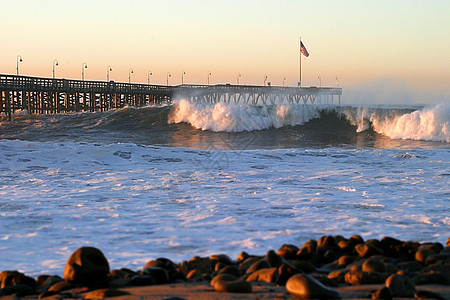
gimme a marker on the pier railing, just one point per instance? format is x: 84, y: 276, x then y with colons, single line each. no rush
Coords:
x: 38, y: 95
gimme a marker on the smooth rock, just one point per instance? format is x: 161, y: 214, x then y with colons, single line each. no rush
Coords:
x: 60, y: 286
x: 20, y: 290
x: 87, y: 265
x: 286, y: 271
x: 401, y: 285
x: 260, y: 264
x: 345, y: 260
x: 359, y: 277
x: 238, y: 286
x: 288, y: 251
x: 203, y: 265
x: 337, y: 275
x: 242, y: 256
x: 373, y: 265
x: 441, y: 258
x: 222, y: 258
x: 307, y: 249
x: 422, y: 254
x: 104, y: 293
x: 265, y: 275
x: 273, y: 259
x: 161, y: 262
x: 384, y: 293
x: 7, y: 278
x: 303, y: 265
x: 120, y: 282
x: 367, y: 250
x: 160, y: 275
x: 142, y: 280
x: 233, y: 270
x: 223, y: 277
x: 306, y: 287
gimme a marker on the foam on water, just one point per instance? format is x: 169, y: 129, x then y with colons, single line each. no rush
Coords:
x: 238, y: 117
x: 429, y: 124
x: 138, y: 203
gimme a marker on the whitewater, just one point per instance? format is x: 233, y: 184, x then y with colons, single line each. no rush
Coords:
x: 194, y: 179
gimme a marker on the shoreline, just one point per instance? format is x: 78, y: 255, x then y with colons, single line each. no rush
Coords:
x: 331, y: 267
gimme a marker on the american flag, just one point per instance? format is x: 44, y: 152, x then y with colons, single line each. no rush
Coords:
x: 303, y: 49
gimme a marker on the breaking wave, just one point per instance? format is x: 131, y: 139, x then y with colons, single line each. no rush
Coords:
x: 236, y: 117
x: 428, y: 124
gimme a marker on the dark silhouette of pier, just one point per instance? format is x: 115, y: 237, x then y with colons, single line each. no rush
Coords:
x: 36, y: 95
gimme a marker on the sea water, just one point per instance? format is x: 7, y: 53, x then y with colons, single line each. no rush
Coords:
x: 183, y: 180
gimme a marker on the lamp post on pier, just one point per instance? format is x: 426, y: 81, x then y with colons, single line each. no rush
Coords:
x: 55, y: 63
x: 168, y: 75
x: 265, y: 80
x: 82, y: 70
x: 337, y: 82
x: 284, y: 79
x: 129, y: 75
x: 320, y: 81
x: 237, y: 79
x: 182, y: 76
x: 148, y: 77
x: 19, y: 60
x: 209, y: 74
x: 109, y: 69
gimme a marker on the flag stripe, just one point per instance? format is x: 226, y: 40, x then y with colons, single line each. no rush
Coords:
x: 303, y: 49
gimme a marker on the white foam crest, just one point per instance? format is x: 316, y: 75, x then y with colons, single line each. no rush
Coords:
x: 239, y: 117
x: 429, y: 124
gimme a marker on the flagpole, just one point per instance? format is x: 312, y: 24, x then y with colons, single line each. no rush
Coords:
x: 300, y: 71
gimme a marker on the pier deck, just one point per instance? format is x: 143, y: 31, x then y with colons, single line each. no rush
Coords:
x: 38, y: 95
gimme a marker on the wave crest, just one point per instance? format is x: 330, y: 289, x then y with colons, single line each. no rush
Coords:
x: 238, y: 117
x: 429, y: 124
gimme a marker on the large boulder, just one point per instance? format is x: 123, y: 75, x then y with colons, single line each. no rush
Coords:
x: 306, y: 287
x: 87, y: 265
x: 401, y: 286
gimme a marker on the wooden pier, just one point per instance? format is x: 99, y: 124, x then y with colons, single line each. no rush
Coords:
x: 36, y: 95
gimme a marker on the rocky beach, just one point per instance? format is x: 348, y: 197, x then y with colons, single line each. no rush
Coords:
x: 332, y: 267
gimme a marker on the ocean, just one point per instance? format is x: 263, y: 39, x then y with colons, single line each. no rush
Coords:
x: 187, y: 179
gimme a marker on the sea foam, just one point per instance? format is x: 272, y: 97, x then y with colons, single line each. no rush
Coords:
x: 239, y: 117
x: 428, y: 124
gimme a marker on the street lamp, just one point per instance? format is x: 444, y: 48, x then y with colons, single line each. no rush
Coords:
x: 265, y: 80
x: 209, y: 74
x: 320, y: 81
x: 19, y: 59
x: 55, y: 63
x: 168, y: 75
x: 129, y: 75
x: 284, y: 79
x: 107, y: 73
x: 337, y: 82
x: 237, y: 79
x: 82, y: 70
x: 182, y: 76
x: 148, y: 77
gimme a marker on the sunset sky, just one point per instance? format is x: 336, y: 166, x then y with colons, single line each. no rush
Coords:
x: 360, y: 42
